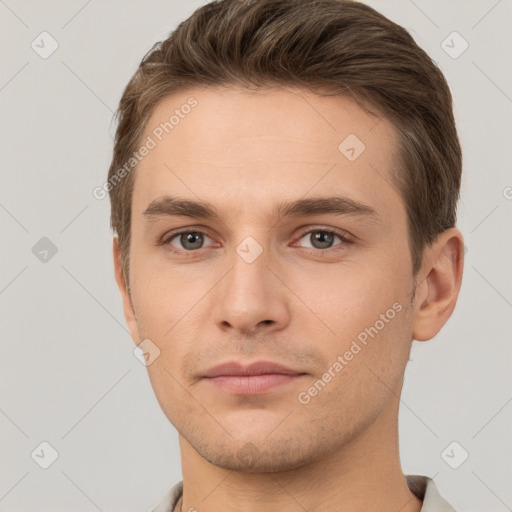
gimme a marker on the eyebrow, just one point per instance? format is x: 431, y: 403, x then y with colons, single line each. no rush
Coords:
x: 174, y: 206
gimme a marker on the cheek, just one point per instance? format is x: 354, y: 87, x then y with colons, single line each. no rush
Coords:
x: 170, y: 312
x: 365, y: 317
x: 348, y: 297
x: 364, y: 363
x: 162, y: 296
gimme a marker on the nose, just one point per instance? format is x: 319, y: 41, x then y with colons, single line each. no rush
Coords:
x: 250, y: 299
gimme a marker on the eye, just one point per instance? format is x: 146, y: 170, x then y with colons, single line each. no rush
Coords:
x: 189, y: 240
x: 324, y: 238
x: 319, y: 239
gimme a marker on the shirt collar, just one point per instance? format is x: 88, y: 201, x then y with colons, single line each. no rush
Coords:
x: 426, y: 490
x: 422, y: 486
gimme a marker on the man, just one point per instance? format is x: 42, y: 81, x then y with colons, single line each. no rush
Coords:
x: 283, y: 188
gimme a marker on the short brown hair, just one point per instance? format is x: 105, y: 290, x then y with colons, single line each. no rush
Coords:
x: 340, y: 46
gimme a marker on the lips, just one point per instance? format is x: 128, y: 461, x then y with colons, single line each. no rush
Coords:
x: 258, y: 368
x: 256, y: 378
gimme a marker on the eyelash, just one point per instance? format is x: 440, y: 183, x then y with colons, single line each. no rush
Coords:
x: 345, y: 239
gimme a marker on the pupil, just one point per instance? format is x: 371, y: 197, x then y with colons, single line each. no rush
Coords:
x: 192, y: 240
x: 323, y: 238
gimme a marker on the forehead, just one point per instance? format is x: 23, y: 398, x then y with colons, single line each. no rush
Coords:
x: 227, y: 142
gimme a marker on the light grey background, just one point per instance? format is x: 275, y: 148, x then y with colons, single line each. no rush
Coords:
x: 68, y: 373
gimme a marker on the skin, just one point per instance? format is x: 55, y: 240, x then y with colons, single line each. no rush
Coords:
x: 296, y: 304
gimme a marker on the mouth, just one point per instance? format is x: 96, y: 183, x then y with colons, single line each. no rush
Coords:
x: 257, y: 378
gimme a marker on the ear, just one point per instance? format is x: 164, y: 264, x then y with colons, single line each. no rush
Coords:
x: 129, y: 311
x: 437, y: 293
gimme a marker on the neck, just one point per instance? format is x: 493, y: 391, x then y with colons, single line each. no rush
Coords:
x: 364, y: 474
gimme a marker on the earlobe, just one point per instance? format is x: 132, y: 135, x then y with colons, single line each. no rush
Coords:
x: 443, y: 268
x: 129, y: 311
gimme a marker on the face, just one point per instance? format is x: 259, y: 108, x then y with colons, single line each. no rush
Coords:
x: 322, y: 287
